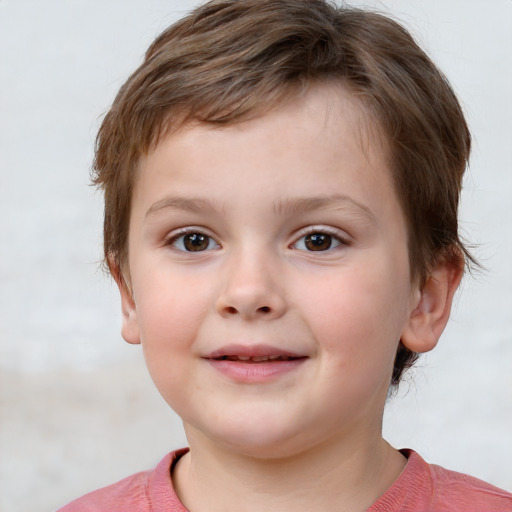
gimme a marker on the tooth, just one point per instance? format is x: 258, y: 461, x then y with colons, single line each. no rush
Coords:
x: 244, y: 358
x: 260, y: 358
x: 272, y: 358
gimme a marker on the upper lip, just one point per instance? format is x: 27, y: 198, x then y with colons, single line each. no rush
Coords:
x: 259, y: 350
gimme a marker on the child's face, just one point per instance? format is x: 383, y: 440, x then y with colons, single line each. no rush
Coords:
x: 279, y: 236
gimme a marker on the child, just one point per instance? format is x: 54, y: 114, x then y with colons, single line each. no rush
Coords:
x: 281, y: 184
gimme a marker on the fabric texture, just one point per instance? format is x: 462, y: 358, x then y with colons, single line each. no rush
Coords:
x: 421, y: 487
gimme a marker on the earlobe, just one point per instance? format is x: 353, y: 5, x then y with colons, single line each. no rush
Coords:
x: 431, y: 312
x: 130, y: 327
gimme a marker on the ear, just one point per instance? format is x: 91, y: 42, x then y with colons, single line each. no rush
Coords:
x: 130, y: 327
x: 432, y: 307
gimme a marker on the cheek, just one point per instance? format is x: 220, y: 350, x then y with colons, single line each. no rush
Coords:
x: 170, y: 310
x: 168, y: 328
x: 169, y: 303
x: 357, y: 316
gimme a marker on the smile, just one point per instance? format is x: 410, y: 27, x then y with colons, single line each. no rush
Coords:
x: 254, y: 364
x: 256, y: 359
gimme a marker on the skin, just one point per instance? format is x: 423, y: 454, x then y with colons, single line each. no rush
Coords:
x: 254, y: 191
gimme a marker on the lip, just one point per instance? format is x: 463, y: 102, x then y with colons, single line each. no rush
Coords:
x: 250, y: 371
x: 259, y: 350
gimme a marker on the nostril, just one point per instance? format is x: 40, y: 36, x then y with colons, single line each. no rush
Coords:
x: 231, y: 310
x: 264, y: 309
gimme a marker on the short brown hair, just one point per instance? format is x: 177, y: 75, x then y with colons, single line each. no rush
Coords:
x: 229, y: 60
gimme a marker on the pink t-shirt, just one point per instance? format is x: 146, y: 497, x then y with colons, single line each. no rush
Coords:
x: 421, y: 487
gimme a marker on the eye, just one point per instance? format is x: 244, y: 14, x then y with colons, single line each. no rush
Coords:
x: 317, y: 241
x: 194, y: 242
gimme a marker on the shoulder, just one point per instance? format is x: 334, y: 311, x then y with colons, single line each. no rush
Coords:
x: 126, y: 493
x: 443, y: 490
x: 424, y: 487
x: 466, y: 492
x: 137, y: 493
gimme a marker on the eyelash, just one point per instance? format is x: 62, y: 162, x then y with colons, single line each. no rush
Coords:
x: 179, y: 238
x: 334, y: 237
x: 174, y: 240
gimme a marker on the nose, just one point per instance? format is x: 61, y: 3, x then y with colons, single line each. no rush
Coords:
x: 251, y: 289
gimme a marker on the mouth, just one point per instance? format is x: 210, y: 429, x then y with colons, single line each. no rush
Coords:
x: 257, y: 359
x: 253, y: 354
x: 254, y: 364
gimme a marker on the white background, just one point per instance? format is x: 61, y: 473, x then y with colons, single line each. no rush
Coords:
x: 77, y: 410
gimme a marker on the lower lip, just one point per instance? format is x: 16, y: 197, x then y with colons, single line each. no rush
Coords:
x: 265, y: 371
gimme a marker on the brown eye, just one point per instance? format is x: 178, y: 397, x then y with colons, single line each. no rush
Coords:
x: 318, y: 242
x: 196, y: 242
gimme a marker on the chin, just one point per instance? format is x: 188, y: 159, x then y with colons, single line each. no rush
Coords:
x: 264, y: 448
x: 259, y: 440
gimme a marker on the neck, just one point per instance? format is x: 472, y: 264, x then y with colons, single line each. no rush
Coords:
x: 339, y: 477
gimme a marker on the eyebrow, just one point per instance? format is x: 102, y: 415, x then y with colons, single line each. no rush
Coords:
x: 281, y: 207
x: 331, y: 202
x: 194, y: 205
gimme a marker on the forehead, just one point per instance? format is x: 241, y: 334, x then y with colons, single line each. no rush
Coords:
x: 323, y: 102
x: 323, y: 130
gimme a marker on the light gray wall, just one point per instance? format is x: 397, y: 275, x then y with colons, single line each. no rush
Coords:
x: 77, y: 410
